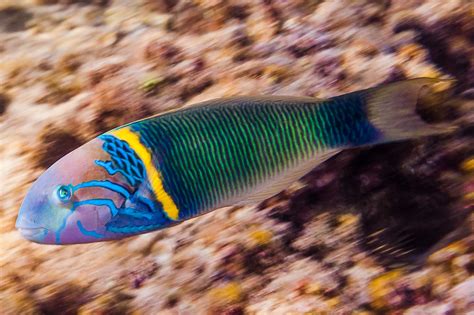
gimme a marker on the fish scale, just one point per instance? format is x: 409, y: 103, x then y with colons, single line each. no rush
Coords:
x: 211, y: 154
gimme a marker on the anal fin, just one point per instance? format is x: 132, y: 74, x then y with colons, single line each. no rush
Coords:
x: 282, y: 181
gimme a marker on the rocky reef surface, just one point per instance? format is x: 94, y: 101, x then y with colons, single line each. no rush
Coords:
x: 355, y: 236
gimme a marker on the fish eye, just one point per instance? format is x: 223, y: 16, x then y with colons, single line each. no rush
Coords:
x: 64, y: 193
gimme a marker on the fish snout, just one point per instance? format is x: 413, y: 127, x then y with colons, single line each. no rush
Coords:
x: 30, y: 230
x: 33, y: 234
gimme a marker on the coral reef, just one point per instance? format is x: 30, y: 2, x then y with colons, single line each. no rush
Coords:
x: 385, y: 229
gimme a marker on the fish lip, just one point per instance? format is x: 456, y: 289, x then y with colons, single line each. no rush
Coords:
x: 31, y: 232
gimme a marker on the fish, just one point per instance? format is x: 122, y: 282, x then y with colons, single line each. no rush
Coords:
x: 157, y: 172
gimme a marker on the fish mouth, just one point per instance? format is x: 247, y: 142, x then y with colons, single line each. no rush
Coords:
x: 33, y: 234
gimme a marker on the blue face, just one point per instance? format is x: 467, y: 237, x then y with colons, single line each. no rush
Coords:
x: 73, y: 201
x: 92, y: 194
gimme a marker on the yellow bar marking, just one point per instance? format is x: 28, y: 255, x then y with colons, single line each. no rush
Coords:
x: 154, y: 176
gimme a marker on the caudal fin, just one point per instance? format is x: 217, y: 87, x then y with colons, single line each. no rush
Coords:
x: 392, y: 108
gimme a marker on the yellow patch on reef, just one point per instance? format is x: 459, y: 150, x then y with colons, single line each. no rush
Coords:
x: 468, y: 165
x: 154, y: 176
x: 469, y: 196
x: 228, y: 294
x: 261, y: 237
x: 381, y: 287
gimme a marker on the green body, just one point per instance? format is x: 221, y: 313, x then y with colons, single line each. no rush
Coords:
x: 154, y: 173
x: 220, y: 154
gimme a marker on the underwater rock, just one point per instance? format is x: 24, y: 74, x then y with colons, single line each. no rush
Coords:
x: 4, y: 102
x: 237, y: 11
x: 383, y: 289
x: 258, y: 259
x: 304, y: 39
x: 60, y: 298
x: 186, y: 14
x: 261, y: 237
x: 14, y: 19
x: 435, y: 37
x: 162, y: 52
x: 261, y: 27
x: 108, y: 303
x: 432, y: 308
x: 55, y: 144
x: 225, y: 296
x: 462, y: 295
x: 111, y: 101
x: 468, y: 165
x: 448, y: 253
x: 69, y: 2
x: 194, y: 87
x: 105, y: 69
x: 142, y: 272
x: 18, y: 302
x: 164, y: 6
x: 60, y: 87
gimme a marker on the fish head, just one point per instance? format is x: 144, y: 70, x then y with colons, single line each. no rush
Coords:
x: 74, y: 200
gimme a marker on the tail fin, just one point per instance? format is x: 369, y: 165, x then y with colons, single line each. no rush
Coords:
x: 392, y: 108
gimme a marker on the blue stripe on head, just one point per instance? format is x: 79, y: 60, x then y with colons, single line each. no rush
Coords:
x: 62, y: 227
x: 87, y: 232
x: 147, y: 216
x: 124, y: 160
x: 104, y: 184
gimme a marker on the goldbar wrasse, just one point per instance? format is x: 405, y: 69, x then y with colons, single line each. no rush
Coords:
x: 157, y: 172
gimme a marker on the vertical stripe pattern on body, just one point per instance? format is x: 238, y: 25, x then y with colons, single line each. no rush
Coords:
x: 153, y: 174
x: 207, y: 155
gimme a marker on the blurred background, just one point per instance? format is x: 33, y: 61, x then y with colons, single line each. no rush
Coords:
x: 355, y: 236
